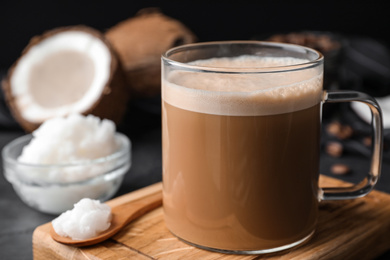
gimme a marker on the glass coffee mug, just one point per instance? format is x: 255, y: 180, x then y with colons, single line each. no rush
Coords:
x: 241, y: 144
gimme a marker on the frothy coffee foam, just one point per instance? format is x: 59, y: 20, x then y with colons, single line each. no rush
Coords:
x: 246, y: 93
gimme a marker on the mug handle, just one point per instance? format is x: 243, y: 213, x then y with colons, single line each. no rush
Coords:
x: 367, y: 184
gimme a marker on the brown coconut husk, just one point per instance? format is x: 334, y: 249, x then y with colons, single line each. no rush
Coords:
x: 140, y: 42
x: 112, y: 103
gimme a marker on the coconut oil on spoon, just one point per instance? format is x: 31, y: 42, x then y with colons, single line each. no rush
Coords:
x: 122, y: 215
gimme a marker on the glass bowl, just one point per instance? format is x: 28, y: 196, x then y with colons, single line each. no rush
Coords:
x: 43, y: 187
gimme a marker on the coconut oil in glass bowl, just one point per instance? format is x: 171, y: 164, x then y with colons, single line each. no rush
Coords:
x: 36, y: 186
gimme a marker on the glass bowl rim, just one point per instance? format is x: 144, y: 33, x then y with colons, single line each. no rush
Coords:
x: 125, y: 146
x: 123, y: 155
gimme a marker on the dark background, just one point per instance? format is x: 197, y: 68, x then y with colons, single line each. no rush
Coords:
x: 365, y: 27
x: 209, y: 20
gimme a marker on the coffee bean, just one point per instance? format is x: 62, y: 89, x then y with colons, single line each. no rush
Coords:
x: 334, y: 149
x: 340, y: 169
x: 340, y: 131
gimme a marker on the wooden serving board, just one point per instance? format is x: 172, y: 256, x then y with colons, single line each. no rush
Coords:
x: 351, y: 229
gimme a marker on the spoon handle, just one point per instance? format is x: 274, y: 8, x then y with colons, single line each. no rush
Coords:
x: 127, y: 212
x: 122, y: 215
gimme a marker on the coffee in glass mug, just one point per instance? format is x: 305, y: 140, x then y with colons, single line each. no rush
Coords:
x: 241, y: 127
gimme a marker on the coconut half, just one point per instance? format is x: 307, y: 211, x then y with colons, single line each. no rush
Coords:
x: 66, y: 70
x: 140, y: 41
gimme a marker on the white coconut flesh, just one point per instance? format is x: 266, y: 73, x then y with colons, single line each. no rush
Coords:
x: 63, y: 74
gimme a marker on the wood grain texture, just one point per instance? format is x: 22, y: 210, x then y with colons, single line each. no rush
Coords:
x: 352, y: 229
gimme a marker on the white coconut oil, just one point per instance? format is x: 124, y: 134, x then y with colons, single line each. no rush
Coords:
x: 87, y: 219
x: 66, y: 160
x: 70, y: 140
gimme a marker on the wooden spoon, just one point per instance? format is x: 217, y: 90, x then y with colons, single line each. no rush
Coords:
x: 121, y: 216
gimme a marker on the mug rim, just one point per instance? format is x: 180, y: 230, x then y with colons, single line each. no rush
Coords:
x: 269, y: 69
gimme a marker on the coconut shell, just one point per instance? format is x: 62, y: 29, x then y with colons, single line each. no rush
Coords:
x: 140, y: 41
x: 113, y: 101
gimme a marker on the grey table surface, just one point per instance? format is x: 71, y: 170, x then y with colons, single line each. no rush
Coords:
x: 18, y: 221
